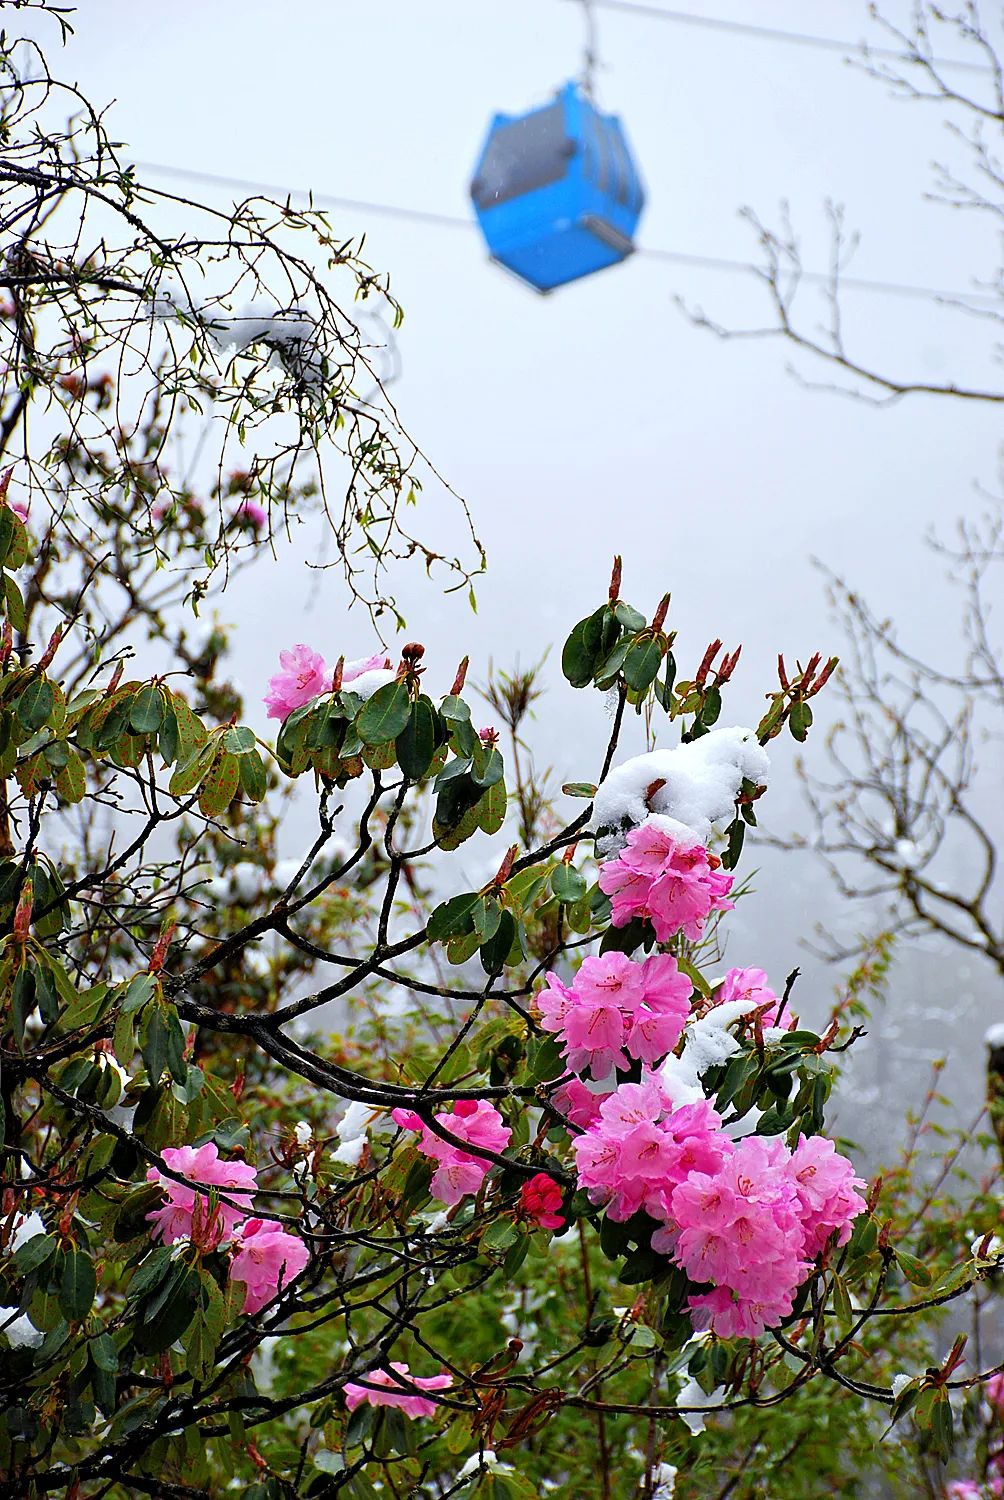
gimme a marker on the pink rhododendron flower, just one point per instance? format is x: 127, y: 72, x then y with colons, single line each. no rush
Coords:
x: 302, y: 676
x: 174, y: 1221
x: 579, y: 1104
x: 249, y: 510
x: 617, y: 1009
x: 20, y: 508
x: 539, y: 1199
x: 675, y: 885
x: 640, y: 1148
x: 993, y: 1394
x: 266, y: 1259
x: 753, y: 1227
x: 964, y: 1489
x: 393, y: 1393
x: 825, y: 1183
x: 751, y: 984
x: 458, y: 1173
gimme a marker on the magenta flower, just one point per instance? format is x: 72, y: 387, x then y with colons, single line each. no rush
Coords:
x: 20, y: 509
x: 540, y: 1199
x: 249, y: 510
x: 188, y: 1214
x: 825, y: 1183
x: 267, y: 1259
x: 579, y: 1104
x: 617, y: 1009
x: 393, y: 1392
x: 302, y: 677
x: 675, y: 885
x: 458, y: 1172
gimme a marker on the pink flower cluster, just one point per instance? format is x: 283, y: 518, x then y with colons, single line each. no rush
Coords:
x: 251, y: 512
x: 459, y: 1172
x: 265, y: 1257
x: 640, y: 1149
x: 303, y: 676
x: 617, y: 1009
x: 540, y: 1199
x: 392, y: 1391
x: 747, y: 1217
x: 676, y: 884
x: 751, y: 984
x: 754, y: 1227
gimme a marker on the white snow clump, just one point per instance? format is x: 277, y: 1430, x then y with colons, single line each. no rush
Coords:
x: 700, y: 783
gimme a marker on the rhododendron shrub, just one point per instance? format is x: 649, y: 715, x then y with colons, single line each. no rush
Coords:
x: 375, y: 1122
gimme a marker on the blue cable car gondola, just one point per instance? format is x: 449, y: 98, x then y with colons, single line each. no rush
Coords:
x: 556, y: 192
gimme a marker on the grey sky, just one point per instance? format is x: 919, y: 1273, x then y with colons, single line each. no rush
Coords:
x: 598, y: 419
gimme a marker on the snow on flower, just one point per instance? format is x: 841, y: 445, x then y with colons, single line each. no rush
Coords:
x: 392, y: 1392
x: 351, y: 1132
x: 664, y: 1479
x: 187, y: 1214
x: 695, y: 784
x: 266, y: 1260
x: 540, y: 1199
x: 665, y: 874
x: 459, y: 1172
x: 617, y: 1009
x: 751, y: 984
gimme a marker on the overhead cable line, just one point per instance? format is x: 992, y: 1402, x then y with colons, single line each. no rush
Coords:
x: 773, y: 34
x: 457, y: 221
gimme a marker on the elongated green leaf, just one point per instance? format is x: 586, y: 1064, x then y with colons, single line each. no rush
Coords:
x: 36, y: 703
x: 147, y: 709
x: 220, y: 787
x: 77, y: 1286
x: 416, y: 744
x: 641, y: 664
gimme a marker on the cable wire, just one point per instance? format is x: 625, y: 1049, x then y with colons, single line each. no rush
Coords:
x: 773, y: 34
x: 456, y: 221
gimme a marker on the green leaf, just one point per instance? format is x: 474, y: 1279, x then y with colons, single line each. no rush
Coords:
x: 253, y: 776
x: 385, y: 715
x: 36, y: 703
x: 488, y: 768
x: 712, y: 706
x: 583, y: 789
x: 239, y: 739
x: 499, y: 1235
x: 220, y: 787
x: 799, y: 720
x: 455, y: 709
x: 642, y: 663
x: 147, y: 710
x: 737, y: 833
x: 582, y: 649
x: 629, y: 617
x: 453, y: 916
x: 568, y: 883
x: 14, y: 603
x: 495, y: 953
x: 190, y: 770
x: 916, y: 1273
x: 170, y: 1311
x: 491, y: 809
x: 34, y: 1254
x: 131, y: 1220
x: 77, y: 1286
x: 71, y: 780
x: 486, y: 917
x: 416, y: 743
